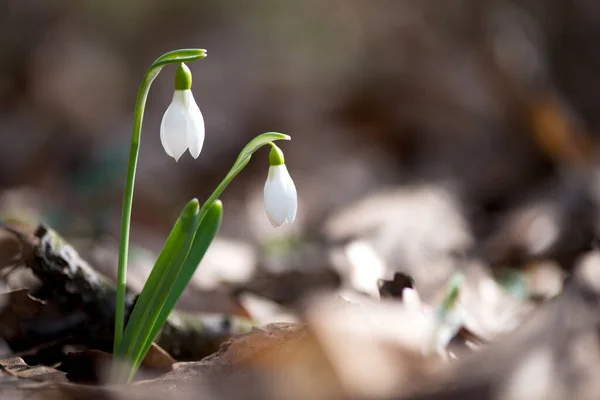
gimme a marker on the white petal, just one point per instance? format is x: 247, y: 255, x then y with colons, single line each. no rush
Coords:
x: 275, y: 199
x: 281, y: 200
x: 291, y: 194
x: 173, y: 128
x: 195, y: 125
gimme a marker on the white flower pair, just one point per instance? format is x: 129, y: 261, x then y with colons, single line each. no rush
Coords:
x: 182, y: 128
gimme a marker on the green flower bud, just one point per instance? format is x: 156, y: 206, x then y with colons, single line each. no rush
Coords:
x: 183, y: 78
x: 276, y: 156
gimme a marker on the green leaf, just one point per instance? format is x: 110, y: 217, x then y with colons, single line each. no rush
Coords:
x: 175, y: 251
x: 254, y: 145
x: 178, y: 56
x: 172, y: 57
x: 205, y: 234
x: 451, y: 299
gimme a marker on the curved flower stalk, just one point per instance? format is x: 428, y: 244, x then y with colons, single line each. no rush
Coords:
x: 281, y: 198
x: 172, y: 57
x: 182, y: 126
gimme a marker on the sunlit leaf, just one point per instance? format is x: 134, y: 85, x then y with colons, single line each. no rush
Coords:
x: 152, y: 296
x: 205, y: 234
x: 177, y: 56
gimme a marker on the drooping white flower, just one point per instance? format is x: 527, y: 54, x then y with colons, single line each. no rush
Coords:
x: 182, y: 126
x: 281, y: 198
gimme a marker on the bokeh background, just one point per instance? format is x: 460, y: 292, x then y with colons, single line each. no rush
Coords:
x: 429, y: 129
x: 438, y: 139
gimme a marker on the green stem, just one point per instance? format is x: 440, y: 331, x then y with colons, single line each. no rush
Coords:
x: 177, y: 56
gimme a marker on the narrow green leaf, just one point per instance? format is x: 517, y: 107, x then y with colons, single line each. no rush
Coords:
x: 178, y: 242
x: 206, y: 232
x: 254, y: 145
x: 450, y: 301
x: 177, y: 56
x: 165, y: 278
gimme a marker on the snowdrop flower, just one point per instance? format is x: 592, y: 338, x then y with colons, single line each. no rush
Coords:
x: 281, y: 199
x: 182, y: 126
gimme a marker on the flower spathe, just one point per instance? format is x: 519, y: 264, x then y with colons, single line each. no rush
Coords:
x: 182, y: 126
x: 281, y: 198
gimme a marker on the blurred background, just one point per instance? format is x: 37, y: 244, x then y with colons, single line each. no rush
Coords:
x: 428, y: 138
x: 427, y: 130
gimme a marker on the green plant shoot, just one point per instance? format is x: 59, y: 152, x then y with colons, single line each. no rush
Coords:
x: 193, y: 232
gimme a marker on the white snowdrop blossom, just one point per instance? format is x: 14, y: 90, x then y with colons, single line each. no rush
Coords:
x: 281, y: 198
x: 182, y: 126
